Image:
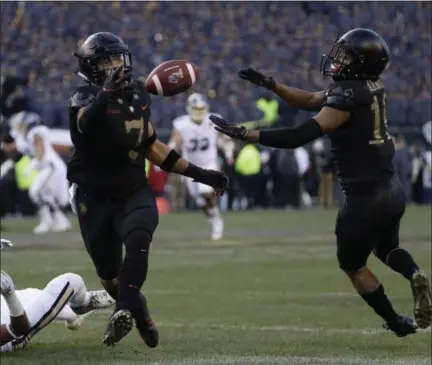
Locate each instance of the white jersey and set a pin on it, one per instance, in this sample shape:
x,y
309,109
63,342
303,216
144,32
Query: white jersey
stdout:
x,y
199,141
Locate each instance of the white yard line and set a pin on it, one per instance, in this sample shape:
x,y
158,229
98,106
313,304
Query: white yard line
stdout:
x,y
287,360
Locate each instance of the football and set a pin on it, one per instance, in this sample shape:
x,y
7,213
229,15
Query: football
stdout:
x,y
172,78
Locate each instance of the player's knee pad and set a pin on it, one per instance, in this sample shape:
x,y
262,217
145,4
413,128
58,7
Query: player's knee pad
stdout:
x,y
111,286
137,241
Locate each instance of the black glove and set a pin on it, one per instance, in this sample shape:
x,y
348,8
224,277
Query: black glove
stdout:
x,y
115,86
230,130
257,78
216,179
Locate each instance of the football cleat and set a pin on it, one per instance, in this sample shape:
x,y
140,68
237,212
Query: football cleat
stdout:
x,y
119,325
98,299
147,328
403,326
422,299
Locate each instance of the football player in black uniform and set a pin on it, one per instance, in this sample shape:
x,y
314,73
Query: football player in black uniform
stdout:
x,y
352,112
112,134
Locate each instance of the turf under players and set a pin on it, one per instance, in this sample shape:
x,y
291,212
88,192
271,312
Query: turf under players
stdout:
x,y
26,312
112,134
352,112
194,134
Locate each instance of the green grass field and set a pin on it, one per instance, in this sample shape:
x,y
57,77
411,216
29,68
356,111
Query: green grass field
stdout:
x,y
270,293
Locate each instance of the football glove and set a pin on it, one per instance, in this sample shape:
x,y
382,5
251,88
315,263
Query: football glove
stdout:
x,y
230,130
116,85
7,286
72,193
216,179
257,78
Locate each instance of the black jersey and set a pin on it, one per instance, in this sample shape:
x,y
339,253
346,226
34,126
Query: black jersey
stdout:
x,y
110,156
362,148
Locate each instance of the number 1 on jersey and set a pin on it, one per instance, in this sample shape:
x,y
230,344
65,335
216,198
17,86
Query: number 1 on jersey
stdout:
x,y
379,120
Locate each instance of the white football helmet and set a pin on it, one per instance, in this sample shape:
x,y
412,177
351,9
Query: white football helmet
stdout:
x,y
197,107
20,122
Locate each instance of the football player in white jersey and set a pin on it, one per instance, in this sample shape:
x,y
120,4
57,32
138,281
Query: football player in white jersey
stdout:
x,y
26,312
49,191
198,141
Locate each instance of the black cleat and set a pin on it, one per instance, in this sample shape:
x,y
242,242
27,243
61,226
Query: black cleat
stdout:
x,y
147,328
119,325
403,326
422,299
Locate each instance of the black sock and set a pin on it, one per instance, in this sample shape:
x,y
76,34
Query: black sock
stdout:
x,y
402,262
381,305
132,277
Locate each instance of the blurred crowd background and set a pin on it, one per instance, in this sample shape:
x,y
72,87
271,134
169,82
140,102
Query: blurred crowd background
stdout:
x,y
285,40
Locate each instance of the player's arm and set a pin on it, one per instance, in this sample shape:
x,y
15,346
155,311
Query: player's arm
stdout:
x,y
169,160
298,98
176,140
39,147
90,108
19,323
327,120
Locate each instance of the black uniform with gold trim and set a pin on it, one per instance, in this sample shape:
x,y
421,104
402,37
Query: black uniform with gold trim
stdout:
x,y
111,155
108,165
363,153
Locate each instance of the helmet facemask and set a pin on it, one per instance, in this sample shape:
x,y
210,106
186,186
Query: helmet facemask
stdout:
x,y
338,62
95,69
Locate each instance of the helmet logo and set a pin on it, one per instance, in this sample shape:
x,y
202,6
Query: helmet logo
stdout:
x,y
175,77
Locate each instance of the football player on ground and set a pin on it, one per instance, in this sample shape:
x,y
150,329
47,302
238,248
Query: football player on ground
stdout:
x,y
26,312
198,141
112,134
352,112
49,190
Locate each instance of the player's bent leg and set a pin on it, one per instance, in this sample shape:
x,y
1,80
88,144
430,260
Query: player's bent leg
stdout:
x,y
401,261
372,292
44,310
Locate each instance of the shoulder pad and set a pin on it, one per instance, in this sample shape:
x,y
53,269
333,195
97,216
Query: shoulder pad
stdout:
x,y
180,121
347,95
40,130
83,96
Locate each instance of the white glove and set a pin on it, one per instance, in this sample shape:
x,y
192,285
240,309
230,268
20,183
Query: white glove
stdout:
x,y
5,243
72,192
7,285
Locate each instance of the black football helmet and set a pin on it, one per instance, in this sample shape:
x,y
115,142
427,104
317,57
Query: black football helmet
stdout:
x,y
360,54
98,50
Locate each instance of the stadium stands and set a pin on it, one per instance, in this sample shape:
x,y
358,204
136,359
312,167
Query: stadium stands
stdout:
x,y
283,39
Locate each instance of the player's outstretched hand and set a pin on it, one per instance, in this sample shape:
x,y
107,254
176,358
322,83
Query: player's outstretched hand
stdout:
x,y
216,179
115,84
230,130
5,243
257,78
7,286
